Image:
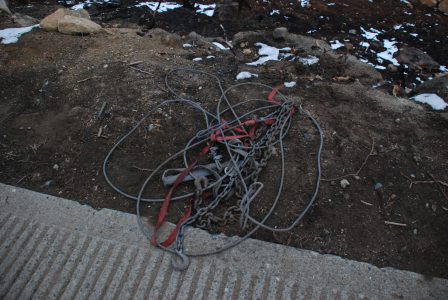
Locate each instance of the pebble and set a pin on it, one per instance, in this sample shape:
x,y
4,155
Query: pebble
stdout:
x,y
397,120
415,231
357,177
344,183
56,167
352,31
280,33
378,186
48,183
392,68
349,46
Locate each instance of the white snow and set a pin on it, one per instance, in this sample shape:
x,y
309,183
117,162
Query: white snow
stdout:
x,y
370,34
304,3
309,60
388,54
397,27
12,35
443,69
414,34
290,84
220,46
364,44
164,6
186,45
267,53
433,100
210,57
197,59
205,9
274,12
336,44
245,75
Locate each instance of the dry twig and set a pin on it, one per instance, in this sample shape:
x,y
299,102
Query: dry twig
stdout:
x,y
439,183
371,153
395,223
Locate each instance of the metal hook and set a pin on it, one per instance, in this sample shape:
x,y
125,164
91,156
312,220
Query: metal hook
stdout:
x,y
183,264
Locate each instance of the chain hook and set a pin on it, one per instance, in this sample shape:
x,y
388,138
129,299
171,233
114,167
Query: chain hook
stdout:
x,y
180,261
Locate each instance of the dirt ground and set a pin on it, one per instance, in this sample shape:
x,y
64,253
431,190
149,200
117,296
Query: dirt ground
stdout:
x,y
52,87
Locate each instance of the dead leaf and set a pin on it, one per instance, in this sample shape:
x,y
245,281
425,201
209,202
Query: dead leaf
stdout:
x,y
395,90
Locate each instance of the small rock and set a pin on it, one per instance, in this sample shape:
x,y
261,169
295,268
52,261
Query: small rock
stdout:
x,y
430,3
55,167
280,33
344,183
416,58
352,31
349,46
48,183
51,21
247,51
357,177
378,186
434,207
392,68
75,25
346,196
415,231
443,6
397,120
24,20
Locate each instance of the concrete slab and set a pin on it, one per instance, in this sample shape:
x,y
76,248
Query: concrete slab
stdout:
x,y
52,248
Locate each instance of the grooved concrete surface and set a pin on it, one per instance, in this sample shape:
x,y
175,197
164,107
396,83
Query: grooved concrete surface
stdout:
x,y
52,248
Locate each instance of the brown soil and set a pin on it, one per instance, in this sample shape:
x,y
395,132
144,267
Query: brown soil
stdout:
x,y
52,86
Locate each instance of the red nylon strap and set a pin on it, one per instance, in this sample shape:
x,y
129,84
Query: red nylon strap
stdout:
x,y
164,209
172,237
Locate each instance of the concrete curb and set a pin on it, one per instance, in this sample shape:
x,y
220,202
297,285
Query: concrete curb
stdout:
x,y
52,248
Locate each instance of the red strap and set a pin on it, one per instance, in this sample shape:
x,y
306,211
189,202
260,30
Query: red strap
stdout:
x,y
172,237
164,209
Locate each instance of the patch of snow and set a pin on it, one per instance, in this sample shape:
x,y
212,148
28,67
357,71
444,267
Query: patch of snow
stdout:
x,y
331,4
380,67
336,44
364,44
290,84
388,54
210,57
414,34
404,1
433,100
220,46
267,53
12,35
311,31
398,27
164,6
304,3
309,60
186,45
370,34
197,59
245,75
443,69
274,12
208,10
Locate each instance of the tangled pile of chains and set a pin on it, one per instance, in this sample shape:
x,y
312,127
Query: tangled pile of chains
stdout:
x,y
236,146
